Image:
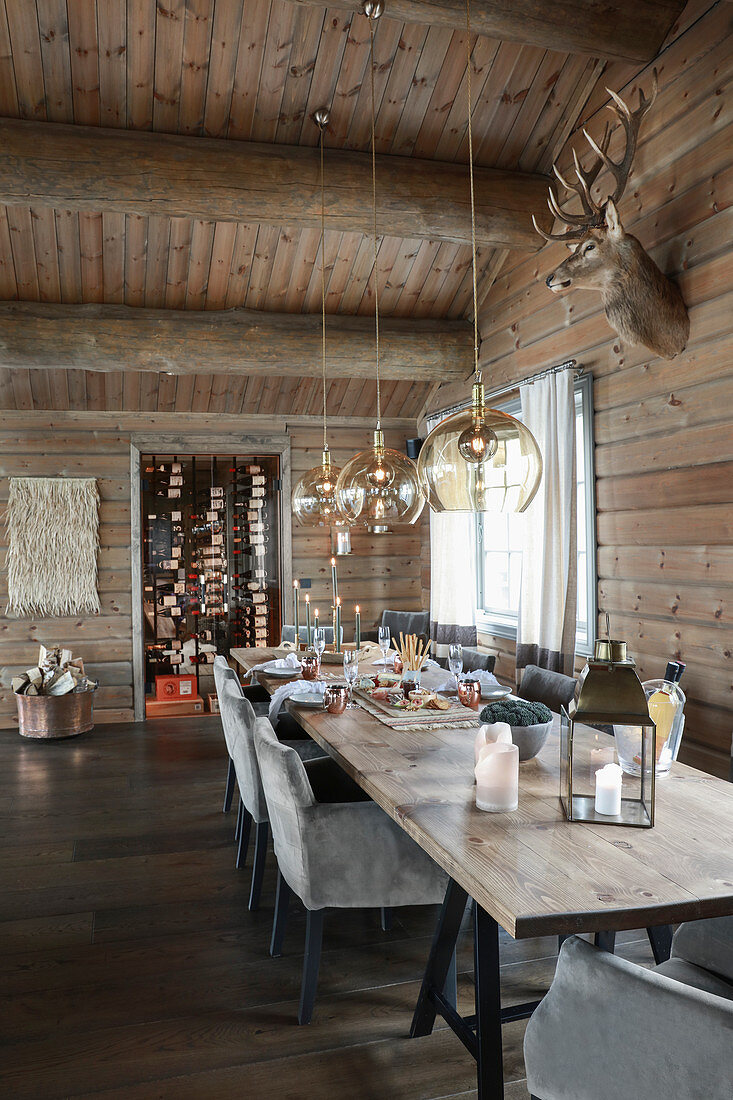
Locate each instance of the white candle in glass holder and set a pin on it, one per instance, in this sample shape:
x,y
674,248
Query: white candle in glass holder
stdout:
x,y
497,778
608,790
492,733
600,756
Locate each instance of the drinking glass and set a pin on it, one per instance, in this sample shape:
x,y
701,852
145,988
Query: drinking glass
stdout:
x,y
455,661
351,671
384,640
319,644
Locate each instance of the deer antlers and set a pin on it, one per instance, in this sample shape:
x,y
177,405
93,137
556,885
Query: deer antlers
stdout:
x,y
593,212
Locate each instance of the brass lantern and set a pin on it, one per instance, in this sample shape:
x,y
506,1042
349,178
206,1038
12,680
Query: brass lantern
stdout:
x,y
610,695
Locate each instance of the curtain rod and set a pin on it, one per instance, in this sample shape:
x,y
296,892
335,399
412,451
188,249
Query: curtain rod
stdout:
x,y
569,364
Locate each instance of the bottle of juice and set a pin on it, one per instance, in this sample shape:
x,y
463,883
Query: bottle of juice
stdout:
x,y
666,703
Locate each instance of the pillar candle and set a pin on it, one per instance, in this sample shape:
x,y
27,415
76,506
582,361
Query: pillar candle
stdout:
x,y
296,602
600,756
337,634
308,619
357,632
492,733
497,778
334,581
608,790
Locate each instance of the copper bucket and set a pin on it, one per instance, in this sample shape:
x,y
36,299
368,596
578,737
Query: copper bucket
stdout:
x,y
55,716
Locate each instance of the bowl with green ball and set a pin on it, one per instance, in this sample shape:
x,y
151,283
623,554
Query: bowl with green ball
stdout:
x,y
530,723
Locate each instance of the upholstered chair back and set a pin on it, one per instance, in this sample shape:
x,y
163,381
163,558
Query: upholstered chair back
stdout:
x,y
288,793
238,717
409,622
540,685
223,673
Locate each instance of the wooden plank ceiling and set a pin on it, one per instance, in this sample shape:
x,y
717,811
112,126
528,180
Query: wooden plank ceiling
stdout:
x,y
256,71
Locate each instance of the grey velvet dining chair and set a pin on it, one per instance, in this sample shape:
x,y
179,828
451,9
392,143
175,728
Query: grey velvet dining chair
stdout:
x,y
611,1030
541,685
335,849
238,720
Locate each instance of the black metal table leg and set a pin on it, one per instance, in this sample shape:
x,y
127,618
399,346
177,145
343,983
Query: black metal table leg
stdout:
x,y
661,940
489,1060
439,962
606,941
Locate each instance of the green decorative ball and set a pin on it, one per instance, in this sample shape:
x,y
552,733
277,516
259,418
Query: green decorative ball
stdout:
x,y
516,712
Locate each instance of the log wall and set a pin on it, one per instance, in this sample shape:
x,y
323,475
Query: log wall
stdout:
x,y
382,571
664,430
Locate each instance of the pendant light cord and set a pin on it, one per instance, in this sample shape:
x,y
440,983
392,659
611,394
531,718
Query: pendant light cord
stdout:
x,y
323,290
473,199
372,19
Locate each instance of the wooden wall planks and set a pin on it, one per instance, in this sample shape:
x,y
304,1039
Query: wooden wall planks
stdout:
x,y
664,446
383,571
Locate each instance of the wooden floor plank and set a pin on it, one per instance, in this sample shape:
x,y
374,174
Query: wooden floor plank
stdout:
x,y
135,970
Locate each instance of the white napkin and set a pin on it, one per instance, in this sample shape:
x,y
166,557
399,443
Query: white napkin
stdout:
x,y
487,680
291,661
389,661
294,687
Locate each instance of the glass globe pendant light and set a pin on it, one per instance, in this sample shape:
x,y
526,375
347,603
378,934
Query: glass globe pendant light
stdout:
x,y
480,459
379,487
314,496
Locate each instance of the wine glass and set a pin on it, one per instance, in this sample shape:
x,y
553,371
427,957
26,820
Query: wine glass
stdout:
x,y
319,644
351,671
455,661
384,640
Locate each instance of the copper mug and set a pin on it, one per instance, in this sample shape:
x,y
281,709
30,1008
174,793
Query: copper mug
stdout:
x,y
309,666
335,697
469,692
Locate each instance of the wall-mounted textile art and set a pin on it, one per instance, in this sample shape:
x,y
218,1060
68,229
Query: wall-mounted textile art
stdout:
x,y
53,539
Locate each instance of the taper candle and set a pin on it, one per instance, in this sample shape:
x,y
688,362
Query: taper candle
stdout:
x,y
296,601
308,618
337,635
316,623
334,581
357,632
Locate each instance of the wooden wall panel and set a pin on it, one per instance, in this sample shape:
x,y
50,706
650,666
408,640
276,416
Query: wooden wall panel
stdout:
x,y
383,570
664,438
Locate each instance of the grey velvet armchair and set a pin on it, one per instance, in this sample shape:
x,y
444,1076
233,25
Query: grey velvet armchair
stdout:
x,y
335,849
611,1030
238,721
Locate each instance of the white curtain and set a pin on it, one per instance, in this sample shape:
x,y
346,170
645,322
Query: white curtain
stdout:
x,y
548,595
452,580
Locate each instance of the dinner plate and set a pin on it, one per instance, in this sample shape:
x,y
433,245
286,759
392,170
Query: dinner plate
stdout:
x,y
281,673
309,700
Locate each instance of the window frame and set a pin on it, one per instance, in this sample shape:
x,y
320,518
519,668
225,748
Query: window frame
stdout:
x,y
504,625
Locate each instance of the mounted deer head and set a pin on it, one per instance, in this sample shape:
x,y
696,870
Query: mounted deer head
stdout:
x,y
641,303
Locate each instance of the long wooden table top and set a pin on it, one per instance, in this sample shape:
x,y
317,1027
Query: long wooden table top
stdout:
x,y
533,871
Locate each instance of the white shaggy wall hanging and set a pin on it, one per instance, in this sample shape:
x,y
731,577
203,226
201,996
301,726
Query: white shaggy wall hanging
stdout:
x,y
53,539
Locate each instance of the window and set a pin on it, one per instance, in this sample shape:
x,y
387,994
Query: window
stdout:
x,y
499,541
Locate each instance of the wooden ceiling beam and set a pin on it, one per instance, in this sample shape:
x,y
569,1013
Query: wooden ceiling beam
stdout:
x,y
628,30
122,338
138,172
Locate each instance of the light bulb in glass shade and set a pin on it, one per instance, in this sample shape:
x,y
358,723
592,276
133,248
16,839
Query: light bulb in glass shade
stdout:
x,y
314,496
504,480
381,474
478,442
370,498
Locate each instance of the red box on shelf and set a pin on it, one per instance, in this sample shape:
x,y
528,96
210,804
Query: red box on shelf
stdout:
x,y
168,688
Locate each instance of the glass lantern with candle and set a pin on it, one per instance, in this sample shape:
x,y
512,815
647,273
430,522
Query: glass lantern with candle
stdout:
x,y
610,696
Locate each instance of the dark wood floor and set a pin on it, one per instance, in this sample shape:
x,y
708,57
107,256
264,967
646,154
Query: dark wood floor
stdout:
x,y
132,968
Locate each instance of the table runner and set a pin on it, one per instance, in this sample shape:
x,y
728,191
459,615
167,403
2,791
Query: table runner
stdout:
x,y
457,717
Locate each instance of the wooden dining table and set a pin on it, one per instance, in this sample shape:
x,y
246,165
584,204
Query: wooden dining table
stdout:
x,y
530,871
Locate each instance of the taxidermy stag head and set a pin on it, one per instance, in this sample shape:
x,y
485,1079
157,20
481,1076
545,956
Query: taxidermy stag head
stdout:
x,y
641,303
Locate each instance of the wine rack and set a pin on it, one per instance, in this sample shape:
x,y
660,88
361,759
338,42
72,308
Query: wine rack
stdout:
x,y
211,560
